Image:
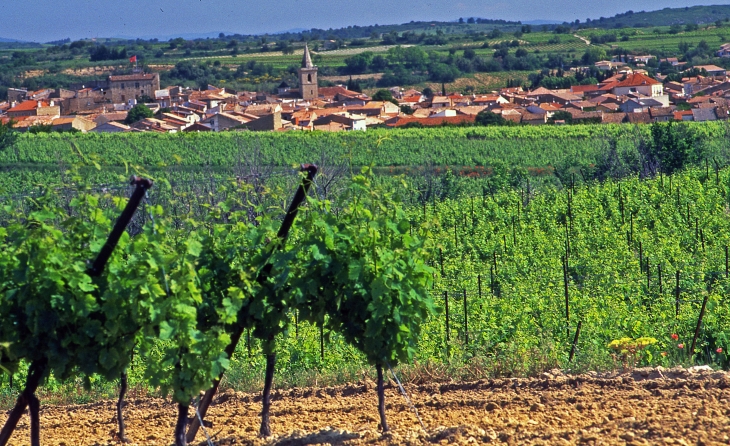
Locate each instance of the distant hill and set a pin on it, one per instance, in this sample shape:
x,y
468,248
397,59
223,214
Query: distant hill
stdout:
x,y
4,40
668,16
166,37
541,22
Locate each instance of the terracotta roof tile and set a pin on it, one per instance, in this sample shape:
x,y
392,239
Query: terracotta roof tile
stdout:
x,y
132,77
461,119
27,106
637,79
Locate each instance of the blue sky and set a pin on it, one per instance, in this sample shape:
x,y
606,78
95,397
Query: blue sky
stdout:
x,y
45,20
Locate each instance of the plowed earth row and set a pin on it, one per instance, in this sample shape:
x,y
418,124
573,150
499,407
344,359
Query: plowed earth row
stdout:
x,y
648,406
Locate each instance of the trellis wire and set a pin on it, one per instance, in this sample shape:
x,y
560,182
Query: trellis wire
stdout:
x,y
202,425
405,395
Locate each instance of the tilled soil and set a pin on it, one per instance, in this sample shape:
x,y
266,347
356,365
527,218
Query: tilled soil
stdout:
x,y
648,406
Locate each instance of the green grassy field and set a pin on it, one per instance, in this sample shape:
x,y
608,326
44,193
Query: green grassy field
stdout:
x,y
646,40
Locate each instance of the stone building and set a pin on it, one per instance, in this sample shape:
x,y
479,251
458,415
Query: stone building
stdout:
x,y
132,86
308,77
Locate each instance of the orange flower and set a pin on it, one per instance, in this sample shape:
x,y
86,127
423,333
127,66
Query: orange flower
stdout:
x,y
719,350
680,345
675,336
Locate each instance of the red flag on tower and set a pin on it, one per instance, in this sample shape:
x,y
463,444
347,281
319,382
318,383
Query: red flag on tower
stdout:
x,y
133,59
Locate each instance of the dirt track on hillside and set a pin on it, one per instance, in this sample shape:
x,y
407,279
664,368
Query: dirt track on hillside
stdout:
x,y
678,406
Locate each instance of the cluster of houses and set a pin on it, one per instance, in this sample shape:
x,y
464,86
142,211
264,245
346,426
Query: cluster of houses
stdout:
x,y
628,96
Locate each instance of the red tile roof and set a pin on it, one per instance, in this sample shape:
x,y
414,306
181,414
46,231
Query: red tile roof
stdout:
x,y
583,88
411,99
487,98
334,91
461,119
636,80
132,77
27,106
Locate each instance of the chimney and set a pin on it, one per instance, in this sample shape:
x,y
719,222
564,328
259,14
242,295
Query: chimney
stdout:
x,y
40,104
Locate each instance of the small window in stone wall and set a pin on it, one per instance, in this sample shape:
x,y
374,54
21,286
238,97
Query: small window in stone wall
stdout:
x,y
136,85
122,86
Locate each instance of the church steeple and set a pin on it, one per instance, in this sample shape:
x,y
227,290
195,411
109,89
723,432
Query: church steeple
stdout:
x,y
308,77
307,59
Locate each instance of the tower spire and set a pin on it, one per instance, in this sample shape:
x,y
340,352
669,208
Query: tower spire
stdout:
x,y
307,59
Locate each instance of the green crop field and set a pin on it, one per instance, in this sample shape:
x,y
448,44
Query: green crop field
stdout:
x,y
646,40
517,270
477,251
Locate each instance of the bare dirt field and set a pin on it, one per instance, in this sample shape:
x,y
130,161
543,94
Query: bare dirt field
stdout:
x,y
646,407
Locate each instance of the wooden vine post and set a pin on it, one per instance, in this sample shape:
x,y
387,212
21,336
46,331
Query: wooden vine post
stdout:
x,y
567,296
38,371
282,234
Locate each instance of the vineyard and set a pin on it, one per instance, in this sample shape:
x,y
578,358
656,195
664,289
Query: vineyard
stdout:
x,y
521,146
214,276
534,278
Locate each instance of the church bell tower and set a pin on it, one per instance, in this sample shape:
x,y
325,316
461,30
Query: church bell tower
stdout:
x,y
308,77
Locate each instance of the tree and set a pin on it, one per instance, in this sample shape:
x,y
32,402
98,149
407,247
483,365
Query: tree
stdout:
x,y
383,95
138,113
414,57
358,63
561,115
440,72
487,117
593,55
354,86
379,63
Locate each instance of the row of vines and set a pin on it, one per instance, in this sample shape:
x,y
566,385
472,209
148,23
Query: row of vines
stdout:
x,y
513,279
521,271
181,296
525,146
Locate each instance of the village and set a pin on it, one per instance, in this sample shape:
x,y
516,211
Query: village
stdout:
x,y
629,95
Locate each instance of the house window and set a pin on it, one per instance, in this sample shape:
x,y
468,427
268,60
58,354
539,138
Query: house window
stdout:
x,y
136,85
122,86
123,98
